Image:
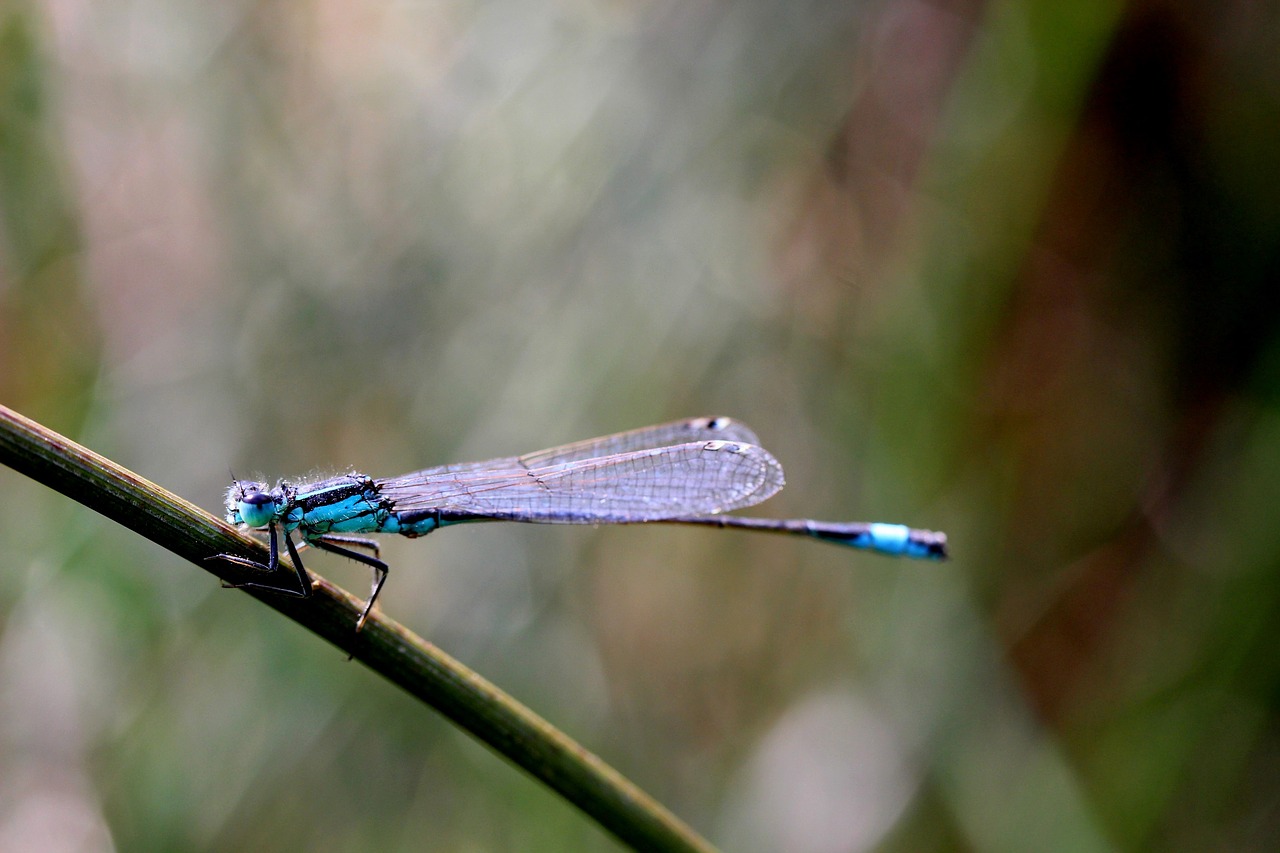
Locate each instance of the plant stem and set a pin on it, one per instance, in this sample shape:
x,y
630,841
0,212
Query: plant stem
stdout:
x,y
418,667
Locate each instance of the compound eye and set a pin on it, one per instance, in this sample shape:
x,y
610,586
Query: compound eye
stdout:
x,y
257,509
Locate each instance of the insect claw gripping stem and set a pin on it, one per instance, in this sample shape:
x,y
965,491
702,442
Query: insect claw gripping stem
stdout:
x,y
304,588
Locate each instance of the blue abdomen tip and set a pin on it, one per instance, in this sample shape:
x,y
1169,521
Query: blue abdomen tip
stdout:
x,y
890,538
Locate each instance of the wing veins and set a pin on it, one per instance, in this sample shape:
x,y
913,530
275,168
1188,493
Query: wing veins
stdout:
x,y
663,482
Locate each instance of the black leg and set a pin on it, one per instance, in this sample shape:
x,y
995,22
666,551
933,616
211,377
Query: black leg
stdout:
x,y
378,566
353,541
272,566
273,560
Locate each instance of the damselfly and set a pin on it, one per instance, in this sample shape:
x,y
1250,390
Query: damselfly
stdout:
x,y
685,472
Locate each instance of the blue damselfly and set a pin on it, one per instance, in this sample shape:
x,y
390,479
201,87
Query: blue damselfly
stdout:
x,y
685,472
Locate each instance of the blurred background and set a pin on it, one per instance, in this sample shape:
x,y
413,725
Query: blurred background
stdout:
x,y
1001,269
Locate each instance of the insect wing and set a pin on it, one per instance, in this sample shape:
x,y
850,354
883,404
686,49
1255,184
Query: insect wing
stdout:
x,y
695,478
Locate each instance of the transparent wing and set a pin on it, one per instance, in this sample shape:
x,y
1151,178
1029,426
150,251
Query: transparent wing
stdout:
x,y
662,435
695,478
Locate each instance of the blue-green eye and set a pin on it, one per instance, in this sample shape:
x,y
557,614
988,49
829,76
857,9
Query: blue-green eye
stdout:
x,y
256,508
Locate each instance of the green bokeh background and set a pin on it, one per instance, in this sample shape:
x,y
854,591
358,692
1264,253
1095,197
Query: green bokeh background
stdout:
x,y
1002,269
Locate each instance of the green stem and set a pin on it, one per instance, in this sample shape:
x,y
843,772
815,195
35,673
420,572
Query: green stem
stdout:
x,y
388,648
